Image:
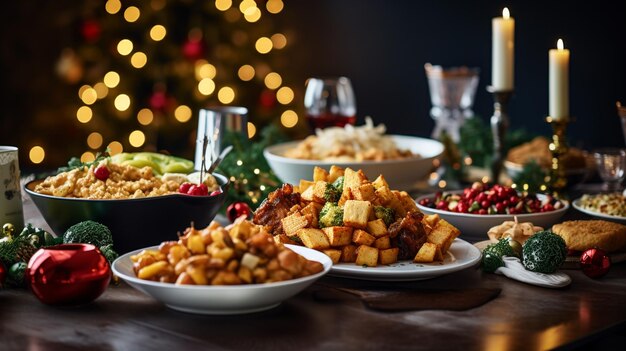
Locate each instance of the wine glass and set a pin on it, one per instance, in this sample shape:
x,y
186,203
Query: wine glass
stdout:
x,y
611,167
329,102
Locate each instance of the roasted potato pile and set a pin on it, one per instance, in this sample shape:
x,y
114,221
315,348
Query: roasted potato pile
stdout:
x,y
352,219
242,253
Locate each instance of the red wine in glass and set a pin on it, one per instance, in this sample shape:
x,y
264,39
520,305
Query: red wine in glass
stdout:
x,y
329,120
329,102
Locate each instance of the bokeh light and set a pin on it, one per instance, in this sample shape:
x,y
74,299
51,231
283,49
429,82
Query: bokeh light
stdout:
x,y
206,86
279,40
252,14
89,96
37,154
246,73
122,102
284,95
251,130
113,6
182,113
94,140
263,45
101,90
137,138
273,80
87,156
145,116
131,14
111,79
115,147
205,70
84,114
274,6
246,4
223,5
289,118
125,47
226,95
139,59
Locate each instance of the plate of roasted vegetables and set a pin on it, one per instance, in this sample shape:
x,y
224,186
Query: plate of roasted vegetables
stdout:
x,y
368,230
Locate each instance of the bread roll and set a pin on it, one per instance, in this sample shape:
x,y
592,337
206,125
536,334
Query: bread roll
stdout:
x,y
583,235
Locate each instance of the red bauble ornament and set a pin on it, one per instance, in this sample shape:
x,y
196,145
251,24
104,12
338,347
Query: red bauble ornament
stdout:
x,y
68,274
193,49
158,101
267,99
91,30
595,263
238,209
3,274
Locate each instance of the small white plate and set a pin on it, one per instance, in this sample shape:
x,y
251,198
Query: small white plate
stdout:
x,y
221,299
461,255
579,207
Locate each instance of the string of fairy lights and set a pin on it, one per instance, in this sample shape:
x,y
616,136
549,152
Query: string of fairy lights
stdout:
x,y
204,72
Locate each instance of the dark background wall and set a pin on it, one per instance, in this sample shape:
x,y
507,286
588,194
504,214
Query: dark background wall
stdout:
x,y
381,45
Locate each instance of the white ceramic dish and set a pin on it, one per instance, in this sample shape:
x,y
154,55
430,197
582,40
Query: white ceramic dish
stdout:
x,y
236,299
474,227
401,174
579,207
461,255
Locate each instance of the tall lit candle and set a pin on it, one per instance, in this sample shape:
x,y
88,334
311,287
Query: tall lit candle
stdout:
x,y
559,81
502,49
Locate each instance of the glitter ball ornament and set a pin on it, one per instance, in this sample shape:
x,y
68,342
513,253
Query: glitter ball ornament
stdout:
x,y
238,209
595,263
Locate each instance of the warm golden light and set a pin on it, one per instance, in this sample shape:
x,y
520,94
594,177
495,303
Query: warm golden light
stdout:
x,y
289,118
81,90
223,5
559,44
505,13
182,113
125,47
111,79
274,6
245,5
145,116
115,147
232,15
84,114
284,95
205,70
279,40
113,6
252,14
206,86
122,102
132,14
87,156
139,59
263,45
246,73
157,5
251,130
37,154
273,80
89,96
101,90
137,138
442,183
94,140
226,95
158,32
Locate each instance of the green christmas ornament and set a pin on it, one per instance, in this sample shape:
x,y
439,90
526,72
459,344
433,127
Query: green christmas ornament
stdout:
x,y
491,262
16,274
544,252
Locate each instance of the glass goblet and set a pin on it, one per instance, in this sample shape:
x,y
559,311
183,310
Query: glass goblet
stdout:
x,y
329,102
611,167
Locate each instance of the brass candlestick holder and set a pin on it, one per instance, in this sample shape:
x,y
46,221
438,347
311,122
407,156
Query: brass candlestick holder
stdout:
x,y
499,127
558,147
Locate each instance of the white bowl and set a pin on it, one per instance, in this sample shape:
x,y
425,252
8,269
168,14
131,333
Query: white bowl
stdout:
x,y
474,227
401,174
221,299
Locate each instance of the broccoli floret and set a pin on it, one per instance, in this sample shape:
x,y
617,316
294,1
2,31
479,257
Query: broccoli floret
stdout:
x,y
492,255
109,253
331,215
331,194
88,232
388,215
338,184
544,252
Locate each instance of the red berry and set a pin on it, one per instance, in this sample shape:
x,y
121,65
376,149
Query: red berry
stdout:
x,y
204,188
485,204
500,207
505,203
196,190
547,208
442,205
482,211
184,188
101,172
215,192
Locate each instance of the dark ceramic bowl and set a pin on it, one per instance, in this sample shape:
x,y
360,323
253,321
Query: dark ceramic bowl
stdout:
x,y
134,223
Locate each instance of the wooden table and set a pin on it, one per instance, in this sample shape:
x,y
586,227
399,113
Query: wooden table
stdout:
x,y
588,312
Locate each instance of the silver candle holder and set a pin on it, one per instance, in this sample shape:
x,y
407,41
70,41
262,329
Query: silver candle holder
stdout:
x,y
499,127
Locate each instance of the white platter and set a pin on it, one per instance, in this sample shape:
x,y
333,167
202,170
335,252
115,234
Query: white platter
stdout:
x,y
402,174
578,206
234,299
461,255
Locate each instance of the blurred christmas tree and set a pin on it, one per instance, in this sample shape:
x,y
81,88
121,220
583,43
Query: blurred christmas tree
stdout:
x,y
143,69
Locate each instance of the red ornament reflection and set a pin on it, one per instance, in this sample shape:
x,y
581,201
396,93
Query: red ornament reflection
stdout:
x,y
69,274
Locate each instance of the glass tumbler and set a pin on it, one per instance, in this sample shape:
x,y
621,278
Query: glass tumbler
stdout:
x,y
611,167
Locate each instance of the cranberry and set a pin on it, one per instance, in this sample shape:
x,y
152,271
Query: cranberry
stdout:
x,y
481,197
102,173
442,205
215,192
485,204
196,190
500,207
204,188
513,199
482,211
462,207
184,188
547,208
493,197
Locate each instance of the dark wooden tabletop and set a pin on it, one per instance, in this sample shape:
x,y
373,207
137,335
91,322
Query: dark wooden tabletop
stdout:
x,y
588,313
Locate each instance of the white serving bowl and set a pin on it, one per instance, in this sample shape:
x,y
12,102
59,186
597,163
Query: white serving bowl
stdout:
x,y
221,299
474,227
401,174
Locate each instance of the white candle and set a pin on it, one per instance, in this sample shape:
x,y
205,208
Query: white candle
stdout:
x,y
503,35
559,81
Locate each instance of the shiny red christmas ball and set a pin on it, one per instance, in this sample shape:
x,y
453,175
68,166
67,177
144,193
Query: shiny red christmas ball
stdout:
x,y
267,99
91,30
3,274
595,263
68,274
193,49
158,101
238,209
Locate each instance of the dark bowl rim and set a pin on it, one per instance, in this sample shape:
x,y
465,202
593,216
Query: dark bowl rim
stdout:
x,y
223,181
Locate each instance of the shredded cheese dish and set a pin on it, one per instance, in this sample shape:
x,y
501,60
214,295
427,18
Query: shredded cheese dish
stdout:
x,y
611,204
350,143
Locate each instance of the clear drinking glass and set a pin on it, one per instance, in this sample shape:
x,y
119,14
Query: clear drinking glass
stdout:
x,y
329,102
611,167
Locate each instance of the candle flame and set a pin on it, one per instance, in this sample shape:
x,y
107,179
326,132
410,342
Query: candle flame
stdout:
x,y
505,13
559,44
